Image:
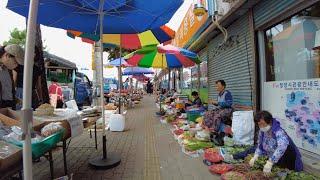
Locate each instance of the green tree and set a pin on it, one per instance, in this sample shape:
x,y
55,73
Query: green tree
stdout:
x,y
17,37
114,53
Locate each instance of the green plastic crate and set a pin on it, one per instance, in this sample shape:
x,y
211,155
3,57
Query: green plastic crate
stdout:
x,y
192,116
40,148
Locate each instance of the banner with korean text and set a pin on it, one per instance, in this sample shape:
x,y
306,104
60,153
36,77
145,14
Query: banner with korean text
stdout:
x,y
297,105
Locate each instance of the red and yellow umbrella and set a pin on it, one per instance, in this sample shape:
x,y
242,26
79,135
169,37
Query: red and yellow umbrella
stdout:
x,y
163,34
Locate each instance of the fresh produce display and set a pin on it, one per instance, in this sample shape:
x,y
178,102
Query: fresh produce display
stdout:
x,y
192,138
193,145
199,119
259,163
232,175
203,135
178,132
292,175
257,175
170,118
212,150
212,155
233,161
234,149
186,135
241,168
162,112
228,142
220,168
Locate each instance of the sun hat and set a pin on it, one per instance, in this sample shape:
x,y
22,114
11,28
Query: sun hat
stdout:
x,y
16,51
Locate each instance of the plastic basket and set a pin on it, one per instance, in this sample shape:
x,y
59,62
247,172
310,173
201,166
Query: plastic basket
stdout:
x,y
193,115
40,148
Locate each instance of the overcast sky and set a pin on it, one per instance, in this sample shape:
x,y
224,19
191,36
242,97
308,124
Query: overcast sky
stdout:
x,y
60,44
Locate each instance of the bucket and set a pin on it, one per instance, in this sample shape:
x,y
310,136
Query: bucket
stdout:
x,y
117,122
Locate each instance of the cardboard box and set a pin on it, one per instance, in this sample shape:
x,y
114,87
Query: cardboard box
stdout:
x,y
10,155
11,113
9,118
13,118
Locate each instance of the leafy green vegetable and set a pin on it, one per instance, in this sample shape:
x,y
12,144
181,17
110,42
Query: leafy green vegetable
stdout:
x,y
292,175
193,145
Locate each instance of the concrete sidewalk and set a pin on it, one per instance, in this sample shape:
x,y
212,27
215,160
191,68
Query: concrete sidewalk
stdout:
x,y
147,148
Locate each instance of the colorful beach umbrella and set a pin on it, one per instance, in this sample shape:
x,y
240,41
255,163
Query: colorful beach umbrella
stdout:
x,y
160,56
137,71
162,34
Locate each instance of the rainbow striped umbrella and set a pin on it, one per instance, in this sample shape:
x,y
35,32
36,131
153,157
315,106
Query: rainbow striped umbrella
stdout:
x,y
154,36
161,56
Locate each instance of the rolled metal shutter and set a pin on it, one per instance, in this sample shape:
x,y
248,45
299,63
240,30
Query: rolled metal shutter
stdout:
x,y
267,10
233,63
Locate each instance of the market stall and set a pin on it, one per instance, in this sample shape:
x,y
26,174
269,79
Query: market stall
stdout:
x,y
44,139
68,119
195,141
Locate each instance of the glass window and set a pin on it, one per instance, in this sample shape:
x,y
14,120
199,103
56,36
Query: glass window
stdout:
x,y
293,47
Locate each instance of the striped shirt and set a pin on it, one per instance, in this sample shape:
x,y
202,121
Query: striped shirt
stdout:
x,y
6,84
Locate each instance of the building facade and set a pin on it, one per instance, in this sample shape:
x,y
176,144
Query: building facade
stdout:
x,y
270,60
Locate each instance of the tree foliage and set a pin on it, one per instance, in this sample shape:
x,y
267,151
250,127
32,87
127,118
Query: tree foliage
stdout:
x,y
114,52
17,37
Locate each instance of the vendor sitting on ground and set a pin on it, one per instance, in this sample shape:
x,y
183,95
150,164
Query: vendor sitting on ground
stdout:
x,y
274,142
196,100
214,120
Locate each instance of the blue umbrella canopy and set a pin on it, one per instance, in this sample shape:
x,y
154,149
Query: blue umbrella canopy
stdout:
x,y
120,16
137,71
118,62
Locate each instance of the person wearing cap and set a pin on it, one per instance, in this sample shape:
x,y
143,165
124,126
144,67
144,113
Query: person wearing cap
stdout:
x,y
18,81
9,55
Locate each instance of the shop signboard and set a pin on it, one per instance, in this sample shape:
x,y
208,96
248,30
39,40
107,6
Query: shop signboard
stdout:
x,y
189,26
296,104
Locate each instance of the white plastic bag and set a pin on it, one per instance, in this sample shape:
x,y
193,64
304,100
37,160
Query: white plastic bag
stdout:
x,y
243,127
51,128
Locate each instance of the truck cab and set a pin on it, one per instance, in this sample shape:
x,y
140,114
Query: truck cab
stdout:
x,y
83,89
75,85
109,84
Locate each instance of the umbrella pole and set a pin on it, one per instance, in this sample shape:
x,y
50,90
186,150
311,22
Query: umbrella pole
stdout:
x,y
160,87
113,160
120,79
27,81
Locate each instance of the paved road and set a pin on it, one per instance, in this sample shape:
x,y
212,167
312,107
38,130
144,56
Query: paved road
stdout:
x,y
147,149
